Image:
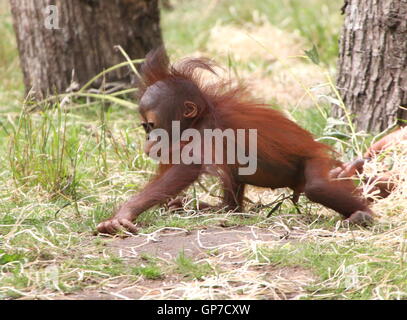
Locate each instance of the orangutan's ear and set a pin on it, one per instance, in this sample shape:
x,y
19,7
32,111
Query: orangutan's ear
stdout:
x,y
191,109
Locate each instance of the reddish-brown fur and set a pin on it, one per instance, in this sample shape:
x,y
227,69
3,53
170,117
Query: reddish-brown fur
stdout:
x,y
288,156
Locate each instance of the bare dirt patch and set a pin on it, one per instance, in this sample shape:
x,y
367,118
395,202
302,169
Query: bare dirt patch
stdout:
x,y
239,273
168,242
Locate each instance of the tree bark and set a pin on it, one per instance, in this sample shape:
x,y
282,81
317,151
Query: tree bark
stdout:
x,y
79,42
372,65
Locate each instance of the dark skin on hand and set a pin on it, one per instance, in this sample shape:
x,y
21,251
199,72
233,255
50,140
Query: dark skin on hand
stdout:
x,y
383,184
287,155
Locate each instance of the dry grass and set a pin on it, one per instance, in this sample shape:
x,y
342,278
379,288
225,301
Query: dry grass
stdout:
x,y
394,207
273,62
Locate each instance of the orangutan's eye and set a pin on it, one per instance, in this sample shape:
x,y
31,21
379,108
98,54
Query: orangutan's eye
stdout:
x,y
148,126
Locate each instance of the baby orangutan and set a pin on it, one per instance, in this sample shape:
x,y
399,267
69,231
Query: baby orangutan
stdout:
x,y
286,155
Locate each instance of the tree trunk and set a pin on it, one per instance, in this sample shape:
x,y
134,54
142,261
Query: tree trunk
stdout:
x,y
372,65
63,41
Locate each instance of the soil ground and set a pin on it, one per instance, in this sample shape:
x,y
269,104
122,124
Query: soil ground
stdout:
x,y
230,245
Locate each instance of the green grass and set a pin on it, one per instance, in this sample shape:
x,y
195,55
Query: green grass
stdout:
x,y
348,270
11,84
151,272
191,269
